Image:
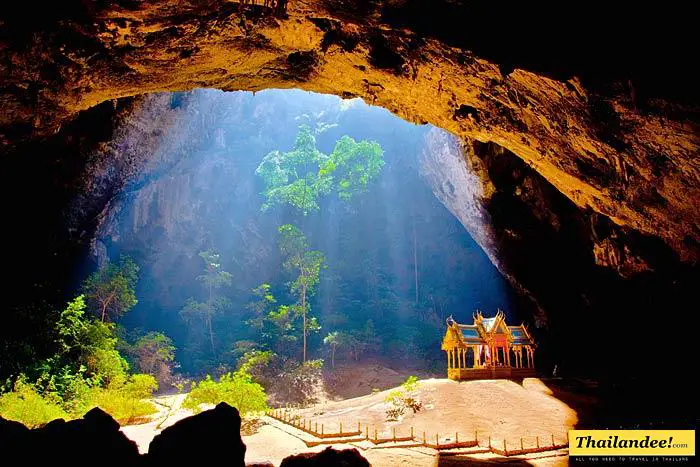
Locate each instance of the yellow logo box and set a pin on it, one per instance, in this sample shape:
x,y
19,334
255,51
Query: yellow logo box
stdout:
x,y
632,442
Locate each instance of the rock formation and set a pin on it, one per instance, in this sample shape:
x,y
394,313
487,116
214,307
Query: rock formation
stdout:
x,y
636,166
207,437
329,456
210,436
560,117
93,438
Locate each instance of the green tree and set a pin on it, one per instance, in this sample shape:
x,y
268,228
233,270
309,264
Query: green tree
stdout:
x,y
260,306
154,354
307,263
299,177
213,278
237,389
353,165
85,347
332,341
109,292
293,177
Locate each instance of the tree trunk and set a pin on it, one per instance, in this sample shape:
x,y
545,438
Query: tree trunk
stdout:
x,y
209,315
303,312
211,334
105,304
333,356
415,258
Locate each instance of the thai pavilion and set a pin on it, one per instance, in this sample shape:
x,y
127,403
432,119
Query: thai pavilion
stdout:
x,y
488,349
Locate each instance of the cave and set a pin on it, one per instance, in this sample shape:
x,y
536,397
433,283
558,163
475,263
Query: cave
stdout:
x,y
563,145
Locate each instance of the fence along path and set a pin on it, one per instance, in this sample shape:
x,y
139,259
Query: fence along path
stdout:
x,y
360,432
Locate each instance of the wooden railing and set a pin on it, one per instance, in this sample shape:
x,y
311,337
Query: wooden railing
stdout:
x,y
362,432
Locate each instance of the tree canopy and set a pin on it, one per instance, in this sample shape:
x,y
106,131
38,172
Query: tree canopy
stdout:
x,y
299,177
109,292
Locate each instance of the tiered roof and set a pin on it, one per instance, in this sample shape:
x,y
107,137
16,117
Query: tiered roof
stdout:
x,y
482,329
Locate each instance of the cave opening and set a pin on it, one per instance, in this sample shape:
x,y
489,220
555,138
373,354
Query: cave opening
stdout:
x,y
566,193
397,263
164,177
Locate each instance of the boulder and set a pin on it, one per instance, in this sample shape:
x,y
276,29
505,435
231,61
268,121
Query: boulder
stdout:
x,y
83,441
327,457
208,437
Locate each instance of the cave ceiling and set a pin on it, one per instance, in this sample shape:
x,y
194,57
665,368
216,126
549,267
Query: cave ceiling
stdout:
x,y
611,128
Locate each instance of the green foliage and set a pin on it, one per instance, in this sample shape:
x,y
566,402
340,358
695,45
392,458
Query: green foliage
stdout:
x,y
411,384
300,382
87,371
332,341
26,405
109,292
237,389
203,313
261,306
292,177
214,276
307,263
402,399
353,165
253,361
86,348
123,399
299,177
154,354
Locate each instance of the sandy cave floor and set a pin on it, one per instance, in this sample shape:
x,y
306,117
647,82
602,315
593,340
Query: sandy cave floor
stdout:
x,y
500,408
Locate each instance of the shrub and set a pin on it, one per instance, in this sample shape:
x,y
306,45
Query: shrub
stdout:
x,y
411,384
236,389
123,399
24,404
402,399
299,383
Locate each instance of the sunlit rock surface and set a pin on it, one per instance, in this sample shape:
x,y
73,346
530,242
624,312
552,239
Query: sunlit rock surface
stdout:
x,y
634,164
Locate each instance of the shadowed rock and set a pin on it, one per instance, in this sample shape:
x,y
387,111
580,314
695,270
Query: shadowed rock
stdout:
x,y
210,436
327,457
13,438
77,442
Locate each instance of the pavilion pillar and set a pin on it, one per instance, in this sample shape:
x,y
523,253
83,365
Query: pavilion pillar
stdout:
x,y
507,354
459,358
449,359
532,358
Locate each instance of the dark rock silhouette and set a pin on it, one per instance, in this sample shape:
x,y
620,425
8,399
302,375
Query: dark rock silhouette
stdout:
x,y
14,437
78,442
327,457
202,438
95,436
